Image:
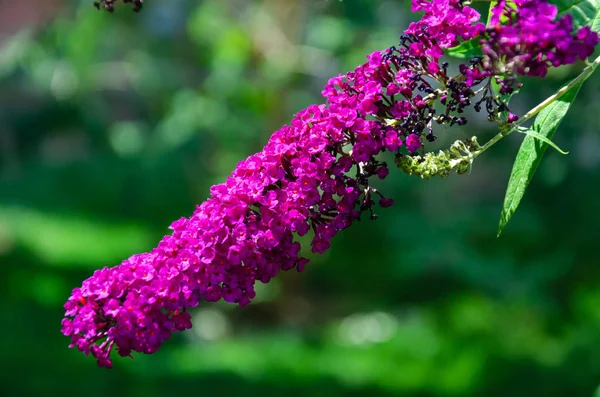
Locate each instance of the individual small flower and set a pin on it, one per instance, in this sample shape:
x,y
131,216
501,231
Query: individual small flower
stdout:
x,y
386,202
413,143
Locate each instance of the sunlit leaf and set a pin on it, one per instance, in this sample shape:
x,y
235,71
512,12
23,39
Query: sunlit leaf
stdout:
x,y
531,152
537,135
468,49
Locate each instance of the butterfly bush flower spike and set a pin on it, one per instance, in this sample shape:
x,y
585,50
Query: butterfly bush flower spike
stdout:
x,y
315,174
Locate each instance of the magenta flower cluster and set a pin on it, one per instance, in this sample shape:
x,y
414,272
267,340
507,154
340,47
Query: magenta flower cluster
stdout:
x,y
245,231
526,37
313,176
446,21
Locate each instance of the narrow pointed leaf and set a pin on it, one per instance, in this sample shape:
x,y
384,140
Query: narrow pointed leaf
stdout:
x,y
537,135
531,152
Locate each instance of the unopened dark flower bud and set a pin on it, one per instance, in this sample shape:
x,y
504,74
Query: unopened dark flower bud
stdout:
x,y
109,5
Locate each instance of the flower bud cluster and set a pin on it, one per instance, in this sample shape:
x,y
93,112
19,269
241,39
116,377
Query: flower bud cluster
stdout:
x,y
458,157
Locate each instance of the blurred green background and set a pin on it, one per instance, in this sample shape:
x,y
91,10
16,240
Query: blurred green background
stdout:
x,y
112,126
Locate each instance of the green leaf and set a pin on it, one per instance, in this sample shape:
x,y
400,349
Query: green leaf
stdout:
x,y
531,152
584,12
537,135
466,50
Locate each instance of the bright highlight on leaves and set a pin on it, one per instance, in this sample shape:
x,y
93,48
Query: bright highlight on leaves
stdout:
x,y
466,50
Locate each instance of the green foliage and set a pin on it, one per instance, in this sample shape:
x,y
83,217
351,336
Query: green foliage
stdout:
x,y
466,50
531,152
